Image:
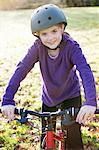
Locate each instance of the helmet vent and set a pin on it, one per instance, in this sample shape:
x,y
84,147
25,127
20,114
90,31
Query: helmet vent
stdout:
x,y
39,21
37,11
49,18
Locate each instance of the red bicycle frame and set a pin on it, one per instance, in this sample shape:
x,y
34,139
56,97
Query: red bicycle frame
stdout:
x,y
51,137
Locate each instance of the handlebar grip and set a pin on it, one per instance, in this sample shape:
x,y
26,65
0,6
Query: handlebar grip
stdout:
x,y
97,111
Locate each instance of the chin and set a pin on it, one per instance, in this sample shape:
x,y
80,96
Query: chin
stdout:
x,y
52,47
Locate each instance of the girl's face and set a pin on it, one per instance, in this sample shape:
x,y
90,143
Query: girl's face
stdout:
x,y
51,37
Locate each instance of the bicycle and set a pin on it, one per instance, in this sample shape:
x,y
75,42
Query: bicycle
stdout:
x,y
52,139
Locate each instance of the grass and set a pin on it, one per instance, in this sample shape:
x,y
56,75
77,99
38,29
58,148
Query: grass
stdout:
x,y
82,19
15,39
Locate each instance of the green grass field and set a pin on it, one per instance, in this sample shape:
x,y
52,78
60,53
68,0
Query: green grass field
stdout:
x,y
15,39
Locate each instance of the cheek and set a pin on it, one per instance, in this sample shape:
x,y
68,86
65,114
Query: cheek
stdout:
x,y
59,36
42,39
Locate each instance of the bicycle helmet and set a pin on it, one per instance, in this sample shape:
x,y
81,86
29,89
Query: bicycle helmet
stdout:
x,y
46,16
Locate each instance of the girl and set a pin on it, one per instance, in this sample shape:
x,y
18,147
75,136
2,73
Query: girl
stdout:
x,y
59,56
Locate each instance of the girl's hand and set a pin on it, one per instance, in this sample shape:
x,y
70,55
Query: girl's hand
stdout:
x,y
84,113
8,110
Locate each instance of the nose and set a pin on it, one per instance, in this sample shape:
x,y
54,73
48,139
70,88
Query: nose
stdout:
x,y
50,38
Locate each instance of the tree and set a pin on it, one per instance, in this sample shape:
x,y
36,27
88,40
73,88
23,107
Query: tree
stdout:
x,y
80,3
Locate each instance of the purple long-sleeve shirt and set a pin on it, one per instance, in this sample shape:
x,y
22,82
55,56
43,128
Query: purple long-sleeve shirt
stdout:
x,y
59,74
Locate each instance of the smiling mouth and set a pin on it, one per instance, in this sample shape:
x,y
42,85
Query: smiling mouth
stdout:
x,y
52,43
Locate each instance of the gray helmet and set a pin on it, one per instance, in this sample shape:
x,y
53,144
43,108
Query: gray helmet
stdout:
x,y
47,16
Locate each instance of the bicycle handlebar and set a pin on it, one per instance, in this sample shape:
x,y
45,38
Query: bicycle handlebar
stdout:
x,y
67,112
20,111
46,114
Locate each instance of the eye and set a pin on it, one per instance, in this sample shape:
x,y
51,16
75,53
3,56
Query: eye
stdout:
x,y
43,34
54,31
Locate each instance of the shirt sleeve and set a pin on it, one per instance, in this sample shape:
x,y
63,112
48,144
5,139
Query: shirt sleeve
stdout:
x,y
20,73
86,74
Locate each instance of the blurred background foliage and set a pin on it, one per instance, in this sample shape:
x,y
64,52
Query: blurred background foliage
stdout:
x,y
26,4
